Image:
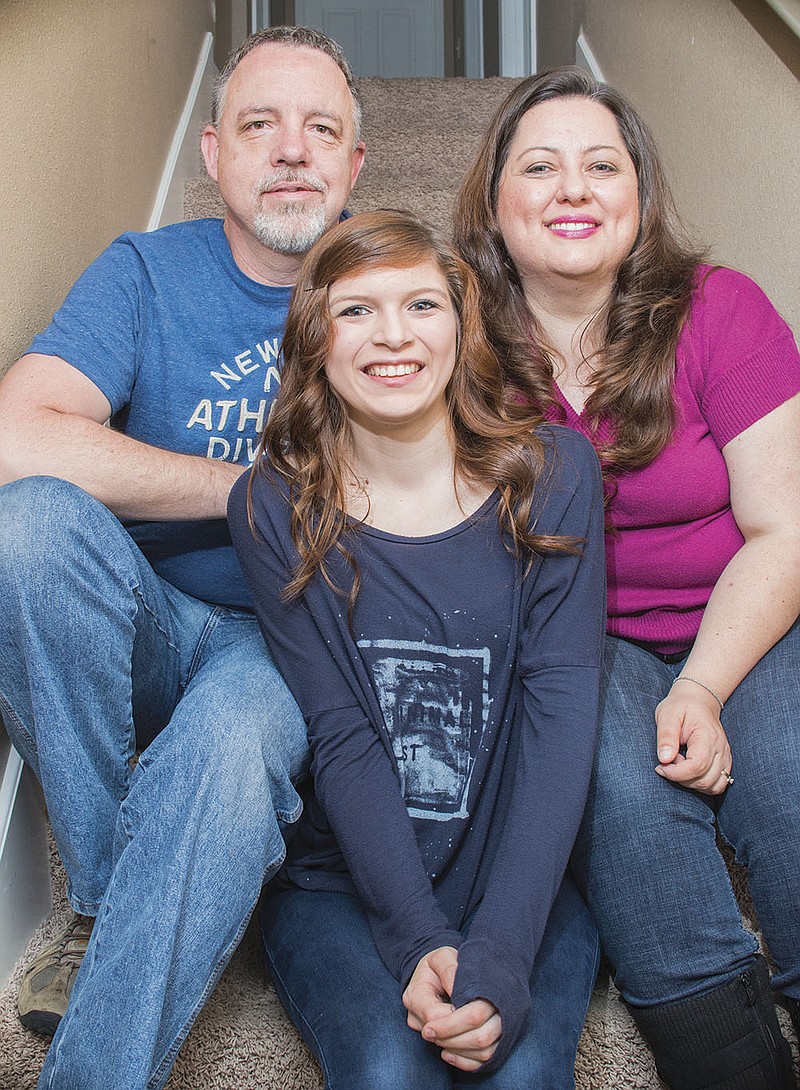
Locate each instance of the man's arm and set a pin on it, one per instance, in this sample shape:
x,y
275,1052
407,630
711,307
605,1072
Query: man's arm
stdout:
x,y
52,421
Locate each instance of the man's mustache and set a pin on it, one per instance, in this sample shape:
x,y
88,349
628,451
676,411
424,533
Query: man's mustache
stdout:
x,y
290,177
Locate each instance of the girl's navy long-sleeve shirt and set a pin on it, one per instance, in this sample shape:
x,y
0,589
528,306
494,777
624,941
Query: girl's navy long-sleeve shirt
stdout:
x,y
452,728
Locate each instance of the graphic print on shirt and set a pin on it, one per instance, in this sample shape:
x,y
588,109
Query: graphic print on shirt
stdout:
x,y
235,423
435,703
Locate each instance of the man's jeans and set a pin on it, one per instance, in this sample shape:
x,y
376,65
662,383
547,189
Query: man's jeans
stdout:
x,y
647,855
348,1006
100,657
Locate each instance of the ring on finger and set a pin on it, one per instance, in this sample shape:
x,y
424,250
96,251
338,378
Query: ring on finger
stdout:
x,y
727,776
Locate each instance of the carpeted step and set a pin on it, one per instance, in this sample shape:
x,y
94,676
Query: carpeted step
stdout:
x,y
201,198
423,105
433,206
396,158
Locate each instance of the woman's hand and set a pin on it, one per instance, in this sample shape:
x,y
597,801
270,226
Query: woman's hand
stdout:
x,y
754,603
467,1036
693,750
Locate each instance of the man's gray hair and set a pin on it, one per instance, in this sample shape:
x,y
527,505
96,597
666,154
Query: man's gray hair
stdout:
x,y
299,37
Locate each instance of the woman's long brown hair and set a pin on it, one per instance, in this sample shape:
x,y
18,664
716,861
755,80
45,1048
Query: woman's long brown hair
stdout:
x,y
307,436
640,325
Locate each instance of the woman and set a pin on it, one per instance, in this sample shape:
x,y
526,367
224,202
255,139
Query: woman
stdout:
x,y
429,574
686,381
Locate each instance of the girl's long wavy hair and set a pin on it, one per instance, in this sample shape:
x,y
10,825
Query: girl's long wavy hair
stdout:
x,y
635,364
307,437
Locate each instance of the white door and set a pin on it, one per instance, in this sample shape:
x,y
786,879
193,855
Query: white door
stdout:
x,y
389,38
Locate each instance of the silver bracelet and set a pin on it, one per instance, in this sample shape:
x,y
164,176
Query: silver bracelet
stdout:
x,y
702,685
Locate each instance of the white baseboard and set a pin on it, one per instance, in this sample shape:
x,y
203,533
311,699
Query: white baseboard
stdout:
x,y
789,11
183,158
25,897
585,58
9,785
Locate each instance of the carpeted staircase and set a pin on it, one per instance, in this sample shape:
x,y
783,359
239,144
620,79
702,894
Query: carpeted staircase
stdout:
x,y
421,135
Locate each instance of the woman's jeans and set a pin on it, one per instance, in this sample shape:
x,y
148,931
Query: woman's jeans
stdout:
x,y
100,657
349,1009
647,857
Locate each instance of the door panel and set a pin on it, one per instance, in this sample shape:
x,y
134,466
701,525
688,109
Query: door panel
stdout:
x,y
389,38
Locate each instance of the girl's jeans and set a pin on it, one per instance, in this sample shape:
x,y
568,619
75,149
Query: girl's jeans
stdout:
x,y
348,1007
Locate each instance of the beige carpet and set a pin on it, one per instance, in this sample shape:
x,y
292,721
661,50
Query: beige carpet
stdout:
x,y
244,1041
421,135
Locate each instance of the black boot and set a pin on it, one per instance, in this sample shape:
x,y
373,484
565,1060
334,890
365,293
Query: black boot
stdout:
x,y
793,1006
725,1039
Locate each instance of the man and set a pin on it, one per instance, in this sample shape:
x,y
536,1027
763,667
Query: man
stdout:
x,y
140,638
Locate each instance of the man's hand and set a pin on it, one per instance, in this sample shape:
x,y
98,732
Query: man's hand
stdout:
x,y
468,1036
693,750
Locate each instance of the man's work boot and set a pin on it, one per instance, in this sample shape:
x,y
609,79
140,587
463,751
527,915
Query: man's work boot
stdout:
x,y
46,986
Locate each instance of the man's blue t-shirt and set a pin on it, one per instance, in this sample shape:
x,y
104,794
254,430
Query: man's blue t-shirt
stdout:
x,y
185,348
